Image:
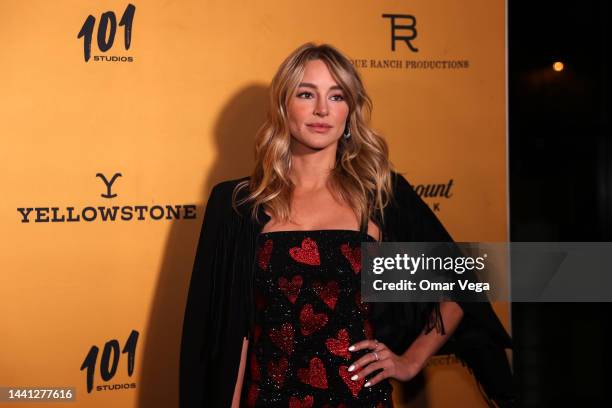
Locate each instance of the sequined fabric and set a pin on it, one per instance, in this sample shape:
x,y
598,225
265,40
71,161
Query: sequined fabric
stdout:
x,y
308,312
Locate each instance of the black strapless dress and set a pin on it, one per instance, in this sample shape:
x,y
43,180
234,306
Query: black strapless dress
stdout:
x,y
308,312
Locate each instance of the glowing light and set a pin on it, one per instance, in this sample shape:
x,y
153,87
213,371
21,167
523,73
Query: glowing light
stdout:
x,y
558,66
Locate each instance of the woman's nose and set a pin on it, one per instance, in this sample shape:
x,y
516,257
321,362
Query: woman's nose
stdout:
x,y
321,107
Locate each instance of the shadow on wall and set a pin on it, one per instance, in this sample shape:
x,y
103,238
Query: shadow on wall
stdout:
x,y
234,134
410,393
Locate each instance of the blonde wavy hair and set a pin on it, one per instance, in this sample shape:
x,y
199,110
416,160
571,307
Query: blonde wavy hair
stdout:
x,y
362,174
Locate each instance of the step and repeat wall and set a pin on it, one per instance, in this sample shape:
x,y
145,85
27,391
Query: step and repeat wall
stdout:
x,y
118,117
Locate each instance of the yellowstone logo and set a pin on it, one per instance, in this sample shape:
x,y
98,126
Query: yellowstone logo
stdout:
x,y
105,35
107,213
109,363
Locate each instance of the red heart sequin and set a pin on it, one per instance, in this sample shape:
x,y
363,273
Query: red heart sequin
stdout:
x,y
264,253
315,374
308,253
277,371
283,337
306,402
353,255
290,289
354,386
339,345
328,293
255,373
311,322
252,395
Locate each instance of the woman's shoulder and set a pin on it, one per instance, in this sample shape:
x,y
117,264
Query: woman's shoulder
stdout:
x,y
402,189
222,194
226,187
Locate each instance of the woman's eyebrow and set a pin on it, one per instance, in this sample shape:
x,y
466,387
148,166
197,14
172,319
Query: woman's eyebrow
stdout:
x,y
313,86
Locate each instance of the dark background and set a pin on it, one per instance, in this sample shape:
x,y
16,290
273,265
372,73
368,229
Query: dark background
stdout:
x,y
560,189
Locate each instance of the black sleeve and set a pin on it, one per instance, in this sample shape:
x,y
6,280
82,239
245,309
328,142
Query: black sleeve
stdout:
x,y
193,371
423,224
426,227
480,338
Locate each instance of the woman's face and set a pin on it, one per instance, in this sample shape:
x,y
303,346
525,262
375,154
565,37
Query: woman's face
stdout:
x,y
317,110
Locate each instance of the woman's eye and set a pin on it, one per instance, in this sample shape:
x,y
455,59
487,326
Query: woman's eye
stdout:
x,y
337,98
304,95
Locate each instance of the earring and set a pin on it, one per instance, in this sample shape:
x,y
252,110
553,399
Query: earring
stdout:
x,y
347,133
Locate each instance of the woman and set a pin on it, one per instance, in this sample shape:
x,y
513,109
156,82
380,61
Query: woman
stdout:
x,y
274,316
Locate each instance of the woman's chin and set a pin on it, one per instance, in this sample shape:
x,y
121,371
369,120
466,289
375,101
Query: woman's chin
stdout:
x,y
313,144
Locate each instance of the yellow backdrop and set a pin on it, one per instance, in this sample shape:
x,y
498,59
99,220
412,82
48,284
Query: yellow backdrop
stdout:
x,y
162,104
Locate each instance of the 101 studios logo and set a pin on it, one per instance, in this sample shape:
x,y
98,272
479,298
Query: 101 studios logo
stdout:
x,y
109,361
105,34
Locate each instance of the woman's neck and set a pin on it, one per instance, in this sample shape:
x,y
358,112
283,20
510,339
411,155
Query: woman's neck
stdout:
x,y
311,172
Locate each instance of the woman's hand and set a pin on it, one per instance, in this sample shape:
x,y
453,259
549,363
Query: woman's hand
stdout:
x,y
408,365
381,357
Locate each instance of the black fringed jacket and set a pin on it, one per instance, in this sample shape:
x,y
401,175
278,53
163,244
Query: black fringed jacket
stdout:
x,y
219,310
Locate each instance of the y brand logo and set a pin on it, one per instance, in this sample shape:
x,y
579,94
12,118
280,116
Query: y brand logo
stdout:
x,y
109,184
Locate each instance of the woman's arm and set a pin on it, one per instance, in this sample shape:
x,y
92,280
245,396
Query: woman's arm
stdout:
x,y
426,345
241,368
406,366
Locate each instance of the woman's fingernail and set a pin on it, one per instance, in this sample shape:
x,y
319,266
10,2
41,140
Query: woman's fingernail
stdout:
x,y
351,348
351,368
354,377
367,384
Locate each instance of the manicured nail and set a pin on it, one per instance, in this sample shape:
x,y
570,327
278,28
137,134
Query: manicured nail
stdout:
x,y
351,368
367,384
351,348
354,377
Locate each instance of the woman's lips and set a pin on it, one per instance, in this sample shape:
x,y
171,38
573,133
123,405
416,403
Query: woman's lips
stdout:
x,y
319,128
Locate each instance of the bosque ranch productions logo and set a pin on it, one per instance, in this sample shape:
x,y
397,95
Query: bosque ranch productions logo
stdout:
x,y
401,39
